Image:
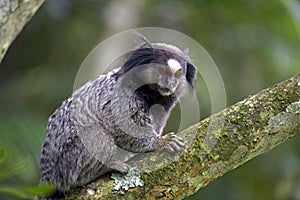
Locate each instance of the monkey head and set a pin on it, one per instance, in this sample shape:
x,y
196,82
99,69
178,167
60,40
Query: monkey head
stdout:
x,y
161,67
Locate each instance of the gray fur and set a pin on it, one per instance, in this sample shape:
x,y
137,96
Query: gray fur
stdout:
x,y
101,118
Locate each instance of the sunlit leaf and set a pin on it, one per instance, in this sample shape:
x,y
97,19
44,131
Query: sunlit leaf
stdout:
x,y
39,190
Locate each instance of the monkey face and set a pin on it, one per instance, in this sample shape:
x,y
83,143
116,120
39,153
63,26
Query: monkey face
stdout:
x,y
170,78
167,78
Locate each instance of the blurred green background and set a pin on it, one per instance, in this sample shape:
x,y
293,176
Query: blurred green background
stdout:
x,y
254,43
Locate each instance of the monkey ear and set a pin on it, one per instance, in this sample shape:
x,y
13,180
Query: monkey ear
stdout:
x,y
191,72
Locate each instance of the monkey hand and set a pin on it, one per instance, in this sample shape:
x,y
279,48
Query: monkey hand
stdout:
x,y
171,142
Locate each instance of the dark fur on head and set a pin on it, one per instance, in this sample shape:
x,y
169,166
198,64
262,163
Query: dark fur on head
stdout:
x,y
158,55
146,55
150,96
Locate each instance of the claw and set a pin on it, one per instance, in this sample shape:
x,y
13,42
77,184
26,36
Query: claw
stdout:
x,y
170,148
175,146
173,142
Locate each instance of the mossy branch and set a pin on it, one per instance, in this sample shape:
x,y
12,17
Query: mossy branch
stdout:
x,y
220,144
14,14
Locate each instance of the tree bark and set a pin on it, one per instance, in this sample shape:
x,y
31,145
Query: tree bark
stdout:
x,y
220,143
14,14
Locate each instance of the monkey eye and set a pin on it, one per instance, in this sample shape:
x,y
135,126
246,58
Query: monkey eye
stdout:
x,y
178,73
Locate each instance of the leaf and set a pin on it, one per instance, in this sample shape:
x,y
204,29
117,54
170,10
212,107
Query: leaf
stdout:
x,y
40,190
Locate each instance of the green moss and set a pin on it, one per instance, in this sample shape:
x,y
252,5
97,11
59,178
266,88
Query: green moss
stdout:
x,y
174,188
241,117
224,134
195,182
106,188
204,173
201,143
280,96
263,115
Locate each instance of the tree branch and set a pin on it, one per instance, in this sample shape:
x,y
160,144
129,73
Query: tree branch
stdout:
x,y
219,144
14,14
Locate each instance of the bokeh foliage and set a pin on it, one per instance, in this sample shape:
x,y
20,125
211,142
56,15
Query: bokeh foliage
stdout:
x,y
254,44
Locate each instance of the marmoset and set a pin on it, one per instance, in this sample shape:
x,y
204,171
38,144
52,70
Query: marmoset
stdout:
x,y
127,108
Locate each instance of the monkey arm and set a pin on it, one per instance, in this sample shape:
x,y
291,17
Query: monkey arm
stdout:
x,y
148,142
137,143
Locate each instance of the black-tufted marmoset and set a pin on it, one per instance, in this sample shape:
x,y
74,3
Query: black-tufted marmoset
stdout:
x,y
126,108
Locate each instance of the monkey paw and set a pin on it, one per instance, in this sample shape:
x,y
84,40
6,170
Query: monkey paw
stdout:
x,y
172,142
